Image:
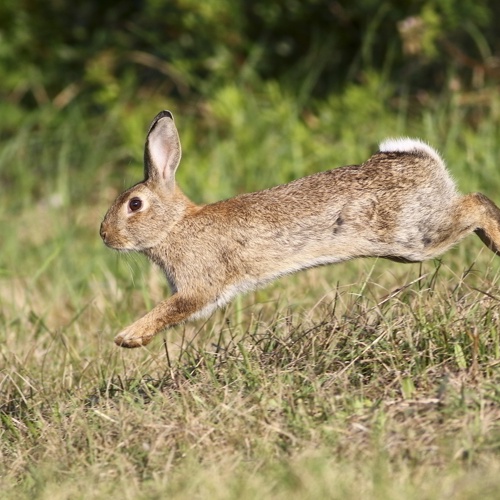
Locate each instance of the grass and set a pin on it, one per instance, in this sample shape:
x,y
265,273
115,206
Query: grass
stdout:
x,y
367,379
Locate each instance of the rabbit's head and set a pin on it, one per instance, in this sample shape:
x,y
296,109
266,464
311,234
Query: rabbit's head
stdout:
x,y
141,217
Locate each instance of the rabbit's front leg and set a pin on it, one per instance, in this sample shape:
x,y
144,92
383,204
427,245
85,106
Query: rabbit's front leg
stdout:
x,y
166,314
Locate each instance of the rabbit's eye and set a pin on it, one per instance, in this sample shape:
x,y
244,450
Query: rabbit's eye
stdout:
x,y
134,204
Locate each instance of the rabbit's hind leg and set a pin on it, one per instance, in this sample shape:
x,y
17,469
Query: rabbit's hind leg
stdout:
x,y
488,228
470,213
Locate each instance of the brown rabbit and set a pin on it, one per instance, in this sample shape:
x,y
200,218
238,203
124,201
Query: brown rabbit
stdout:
x,y
401,204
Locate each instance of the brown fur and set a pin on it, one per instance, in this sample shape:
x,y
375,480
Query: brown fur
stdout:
x,y
400,204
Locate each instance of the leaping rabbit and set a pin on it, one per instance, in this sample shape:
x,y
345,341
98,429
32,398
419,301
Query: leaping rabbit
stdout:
x,y
401,204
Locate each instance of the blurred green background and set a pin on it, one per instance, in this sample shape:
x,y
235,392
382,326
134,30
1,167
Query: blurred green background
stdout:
x,y
305,82
263,92
360,364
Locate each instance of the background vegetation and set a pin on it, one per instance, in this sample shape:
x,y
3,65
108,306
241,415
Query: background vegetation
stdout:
x,y
367,379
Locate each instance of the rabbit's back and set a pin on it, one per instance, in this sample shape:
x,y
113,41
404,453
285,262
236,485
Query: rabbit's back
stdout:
x,y
392,205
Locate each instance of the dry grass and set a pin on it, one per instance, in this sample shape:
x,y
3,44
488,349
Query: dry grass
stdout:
x,y
364,380
383,389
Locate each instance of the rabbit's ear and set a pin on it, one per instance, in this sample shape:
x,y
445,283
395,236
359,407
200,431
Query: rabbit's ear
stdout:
x,y
162,153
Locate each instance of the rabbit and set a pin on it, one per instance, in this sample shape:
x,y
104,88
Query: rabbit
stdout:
x,y
401,204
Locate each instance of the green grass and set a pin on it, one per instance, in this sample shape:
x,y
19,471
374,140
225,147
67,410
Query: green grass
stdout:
x,y
367,379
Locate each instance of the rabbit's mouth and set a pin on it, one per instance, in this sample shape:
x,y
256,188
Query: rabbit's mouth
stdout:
x,y
110,241
114,240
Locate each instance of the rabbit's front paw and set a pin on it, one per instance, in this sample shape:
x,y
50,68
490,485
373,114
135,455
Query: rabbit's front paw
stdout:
x,y
133,337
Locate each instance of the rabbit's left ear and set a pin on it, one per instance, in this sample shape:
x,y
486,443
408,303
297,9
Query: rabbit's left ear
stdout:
x,y
162,152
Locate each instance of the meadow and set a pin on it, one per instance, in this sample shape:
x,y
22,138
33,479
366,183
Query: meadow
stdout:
x,y
368,379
